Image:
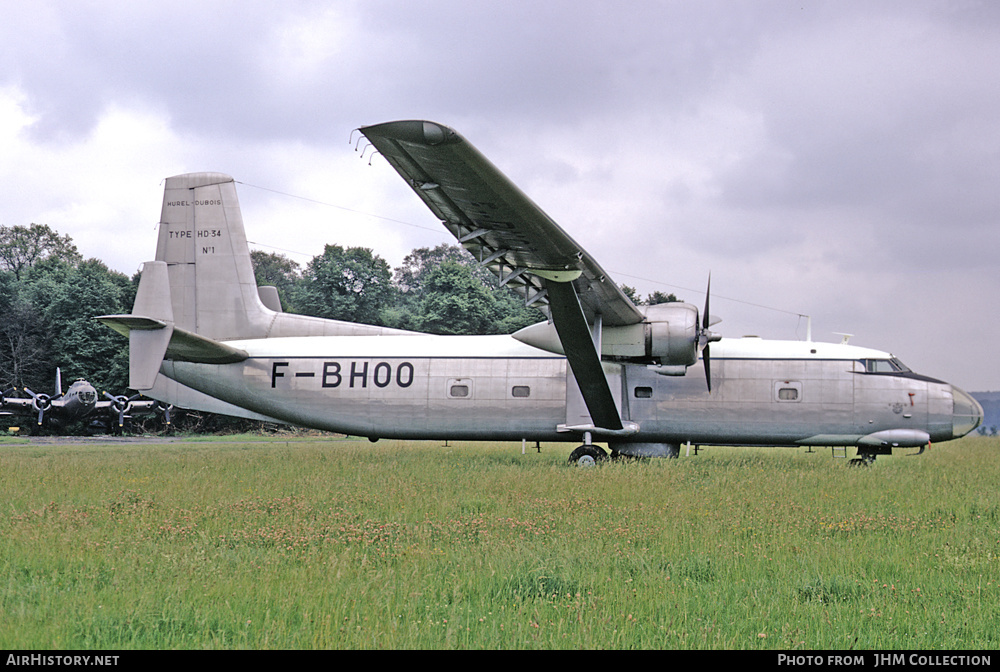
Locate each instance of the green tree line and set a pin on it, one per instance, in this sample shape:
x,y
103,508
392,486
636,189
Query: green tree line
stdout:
x,y
439,290
49,296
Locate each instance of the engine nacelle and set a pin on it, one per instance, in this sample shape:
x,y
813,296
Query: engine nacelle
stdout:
x,y
668,337
671,331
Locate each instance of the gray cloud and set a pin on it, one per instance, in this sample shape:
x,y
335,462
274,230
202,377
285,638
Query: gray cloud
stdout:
x,y
835,158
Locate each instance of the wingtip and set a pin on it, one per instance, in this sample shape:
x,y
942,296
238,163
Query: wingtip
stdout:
x,y
413,130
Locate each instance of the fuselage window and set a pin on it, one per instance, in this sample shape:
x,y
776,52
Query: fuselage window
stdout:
x,y
787,391
643,393
459,391
521,391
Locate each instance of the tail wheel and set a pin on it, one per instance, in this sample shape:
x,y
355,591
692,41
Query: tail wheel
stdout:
x,y
587,456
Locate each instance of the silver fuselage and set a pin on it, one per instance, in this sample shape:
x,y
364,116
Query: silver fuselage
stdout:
x,y
202,337
497,388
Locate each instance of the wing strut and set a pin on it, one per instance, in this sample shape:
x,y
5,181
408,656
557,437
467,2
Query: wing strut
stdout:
x,y
581,352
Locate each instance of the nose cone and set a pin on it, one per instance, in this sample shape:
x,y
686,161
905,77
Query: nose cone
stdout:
x,y
85,393
967,413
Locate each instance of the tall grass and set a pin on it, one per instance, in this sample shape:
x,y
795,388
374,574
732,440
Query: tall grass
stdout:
x,y
318,544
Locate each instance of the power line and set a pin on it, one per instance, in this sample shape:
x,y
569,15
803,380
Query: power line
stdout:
x,y
714,296
339,207
438,230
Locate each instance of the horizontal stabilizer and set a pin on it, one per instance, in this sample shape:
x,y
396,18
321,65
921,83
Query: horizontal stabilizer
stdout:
x,y
148,340
124,324
151,341
183,346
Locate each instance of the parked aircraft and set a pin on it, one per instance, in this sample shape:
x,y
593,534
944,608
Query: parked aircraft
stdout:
x,y
202,335
79,402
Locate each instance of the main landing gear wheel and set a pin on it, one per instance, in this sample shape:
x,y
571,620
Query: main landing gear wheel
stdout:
x,y
587,456
863,460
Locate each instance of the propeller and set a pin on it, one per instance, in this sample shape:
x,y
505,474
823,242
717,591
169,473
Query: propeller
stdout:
x,y
706,336
42,402
121,403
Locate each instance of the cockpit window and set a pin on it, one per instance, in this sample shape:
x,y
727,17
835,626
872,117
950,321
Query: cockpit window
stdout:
x,y
885,366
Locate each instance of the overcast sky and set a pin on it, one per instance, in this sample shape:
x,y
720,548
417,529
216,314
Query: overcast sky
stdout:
x,y
834,159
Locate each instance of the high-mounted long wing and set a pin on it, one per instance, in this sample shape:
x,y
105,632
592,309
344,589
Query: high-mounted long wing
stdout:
x,y
493,219
508,233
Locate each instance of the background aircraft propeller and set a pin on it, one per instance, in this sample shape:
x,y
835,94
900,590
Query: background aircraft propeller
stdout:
x,y
41,402
121,403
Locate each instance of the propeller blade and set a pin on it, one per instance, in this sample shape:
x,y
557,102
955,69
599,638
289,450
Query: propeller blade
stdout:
x,y
708,293
705,336
707,361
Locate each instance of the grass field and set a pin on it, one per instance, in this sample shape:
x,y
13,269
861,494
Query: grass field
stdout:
x,y
347,544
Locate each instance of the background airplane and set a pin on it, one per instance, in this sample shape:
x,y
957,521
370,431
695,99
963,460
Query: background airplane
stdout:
x,y
203,336
79,402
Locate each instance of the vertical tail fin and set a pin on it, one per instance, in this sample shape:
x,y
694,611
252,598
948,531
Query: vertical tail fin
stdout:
x,y
201,290
203,243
